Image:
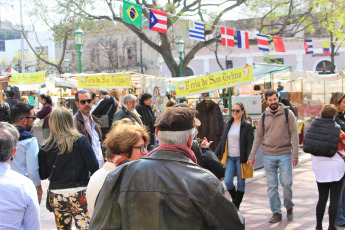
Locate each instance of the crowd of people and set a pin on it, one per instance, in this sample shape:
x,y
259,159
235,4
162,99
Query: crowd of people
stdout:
x,y
106,171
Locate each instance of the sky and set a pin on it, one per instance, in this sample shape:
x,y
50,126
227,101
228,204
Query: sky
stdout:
x,y
10,10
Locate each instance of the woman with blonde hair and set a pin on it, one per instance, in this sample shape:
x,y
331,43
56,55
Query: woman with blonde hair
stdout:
x,y
67,159
125,142
24,99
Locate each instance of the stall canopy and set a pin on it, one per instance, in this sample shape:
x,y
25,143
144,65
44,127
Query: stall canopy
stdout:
x,y
264,70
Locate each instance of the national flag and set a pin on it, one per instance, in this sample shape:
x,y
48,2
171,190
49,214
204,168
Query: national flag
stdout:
x,y
263,42
325,47
242,39
279,44
308,46
196,31
132,13
158,21
227,36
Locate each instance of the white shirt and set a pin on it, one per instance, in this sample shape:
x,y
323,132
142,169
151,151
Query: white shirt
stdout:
x,y
96,143
95,185
19,207
234,141
328,169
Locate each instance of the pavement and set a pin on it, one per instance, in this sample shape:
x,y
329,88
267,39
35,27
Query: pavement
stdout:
x,y
255,206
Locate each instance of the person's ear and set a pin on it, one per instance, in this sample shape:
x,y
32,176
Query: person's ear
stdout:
x,y
156,132
190,141
14,152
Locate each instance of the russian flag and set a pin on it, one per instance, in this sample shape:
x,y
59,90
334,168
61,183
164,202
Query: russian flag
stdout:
x,y
308,46
263,42
242,39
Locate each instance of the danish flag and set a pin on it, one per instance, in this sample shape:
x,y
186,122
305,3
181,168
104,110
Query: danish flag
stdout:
x,y
227,36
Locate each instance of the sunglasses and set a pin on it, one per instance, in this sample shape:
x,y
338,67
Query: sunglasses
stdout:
x,y
84,101
33,117
142,148
235,110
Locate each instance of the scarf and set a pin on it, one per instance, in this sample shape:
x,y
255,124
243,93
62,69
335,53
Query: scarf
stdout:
x,y
118,160
24,134
176,148
134,114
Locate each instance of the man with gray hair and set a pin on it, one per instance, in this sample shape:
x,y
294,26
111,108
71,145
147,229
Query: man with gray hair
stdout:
x,y
128,110
18,201
166,189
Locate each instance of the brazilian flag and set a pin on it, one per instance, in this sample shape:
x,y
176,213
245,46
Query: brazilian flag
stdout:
x,y
132,13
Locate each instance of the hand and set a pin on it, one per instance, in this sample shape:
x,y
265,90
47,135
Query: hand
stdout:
x,y
294,161
205,143
39,198
251,162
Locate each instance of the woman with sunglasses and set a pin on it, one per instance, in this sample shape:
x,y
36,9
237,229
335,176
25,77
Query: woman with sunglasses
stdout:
x,y
44,113
125,142
67,159
235,147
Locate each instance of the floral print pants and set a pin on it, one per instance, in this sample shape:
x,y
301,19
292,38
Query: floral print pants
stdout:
x,y
70,205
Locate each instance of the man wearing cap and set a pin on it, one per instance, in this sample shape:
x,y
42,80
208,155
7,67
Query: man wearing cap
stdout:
x,y
166,189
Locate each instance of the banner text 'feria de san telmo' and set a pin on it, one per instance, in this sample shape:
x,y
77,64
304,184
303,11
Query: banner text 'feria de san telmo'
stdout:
x,y
28,78
220,80
105,81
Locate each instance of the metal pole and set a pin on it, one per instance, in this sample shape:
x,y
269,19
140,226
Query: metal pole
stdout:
x,y
79,58
66,69
141,54
230,101
181,65
21,35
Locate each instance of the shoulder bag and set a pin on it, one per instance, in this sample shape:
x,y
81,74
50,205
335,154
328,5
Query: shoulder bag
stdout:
x,y
104,119
48,203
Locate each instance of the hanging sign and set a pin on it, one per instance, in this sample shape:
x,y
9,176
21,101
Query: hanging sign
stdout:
x,y
221,80
28,78
105,81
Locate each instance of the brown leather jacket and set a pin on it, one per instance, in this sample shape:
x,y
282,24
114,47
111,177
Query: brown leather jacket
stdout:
x,y
81,126
164,191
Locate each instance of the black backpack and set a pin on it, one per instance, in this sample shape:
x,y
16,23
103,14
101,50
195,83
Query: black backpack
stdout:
x,y
4,116
264,115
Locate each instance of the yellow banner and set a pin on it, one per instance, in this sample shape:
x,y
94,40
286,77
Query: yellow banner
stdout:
x,y
105,81
28,78
215,81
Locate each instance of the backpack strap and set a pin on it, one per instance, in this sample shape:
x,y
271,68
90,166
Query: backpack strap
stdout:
x,y
263,119
286,117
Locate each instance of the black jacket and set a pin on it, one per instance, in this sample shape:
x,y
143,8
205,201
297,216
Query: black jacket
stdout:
x,y
103,107
163,191
147,116
71,169
341,121
246,139
12,102
322,138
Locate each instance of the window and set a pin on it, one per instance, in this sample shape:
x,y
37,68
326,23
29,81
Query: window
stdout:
x,y
2,46
188,72
229,64
324,67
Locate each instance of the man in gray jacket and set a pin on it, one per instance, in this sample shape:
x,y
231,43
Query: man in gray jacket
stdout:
x,y
166,189
277,131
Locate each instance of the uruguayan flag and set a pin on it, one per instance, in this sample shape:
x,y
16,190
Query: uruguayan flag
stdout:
x,y
197,31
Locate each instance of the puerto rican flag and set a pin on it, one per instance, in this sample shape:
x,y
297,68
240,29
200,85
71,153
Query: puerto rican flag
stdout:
x,y
263,42
242,39
158,21
227,36
308,46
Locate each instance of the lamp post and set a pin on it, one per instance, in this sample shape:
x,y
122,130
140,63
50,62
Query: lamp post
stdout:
x,y
79,41
66,62
180,50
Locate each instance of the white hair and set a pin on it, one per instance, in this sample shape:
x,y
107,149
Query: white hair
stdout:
x,y
175,137
129,97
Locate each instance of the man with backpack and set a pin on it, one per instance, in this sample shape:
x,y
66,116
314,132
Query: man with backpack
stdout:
x,y
5,110
277,130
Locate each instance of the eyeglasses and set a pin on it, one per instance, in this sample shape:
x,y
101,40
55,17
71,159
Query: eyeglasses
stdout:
x,y
33,117
142,148
84,101
235,110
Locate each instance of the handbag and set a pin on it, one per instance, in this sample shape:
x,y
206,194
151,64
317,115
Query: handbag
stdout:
x,y
48,203
104,119
247,171
40,123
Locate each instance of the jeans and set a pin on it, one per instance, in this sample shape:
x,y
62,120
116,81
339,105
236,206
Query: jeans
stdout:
x,y
272,164
232,164
340,220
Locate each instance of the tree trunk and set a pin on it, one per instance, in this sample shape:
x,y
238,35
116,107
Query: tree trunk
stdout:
x,y
332,53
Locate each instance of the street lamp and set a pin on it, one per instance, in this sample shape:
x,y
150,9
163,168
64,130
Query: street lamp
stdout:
x,y
66,62
79,41
180,50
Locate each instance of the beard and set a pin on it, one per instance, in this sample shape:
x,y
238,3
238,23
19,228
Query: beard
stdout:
x,y
273,106
28,128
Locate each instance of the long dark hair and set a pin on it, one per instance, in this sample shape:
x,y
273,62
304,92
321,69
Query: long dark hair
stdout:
x,y
47,98
240,104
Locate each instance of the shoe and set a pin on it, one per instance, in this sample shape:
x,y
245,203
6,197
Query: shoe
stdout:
x,y
276,217
289,214
238,199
